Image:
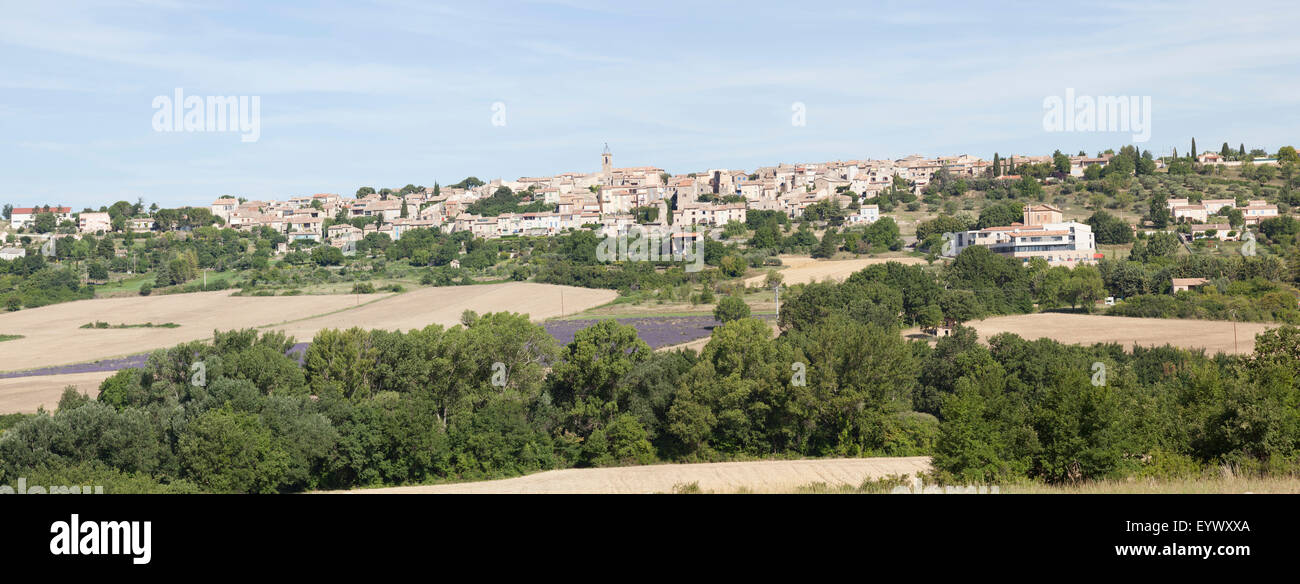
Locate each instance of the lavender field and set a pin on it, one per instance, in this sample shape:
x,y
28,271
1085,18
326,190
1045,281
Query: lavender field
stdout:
x,y
656,331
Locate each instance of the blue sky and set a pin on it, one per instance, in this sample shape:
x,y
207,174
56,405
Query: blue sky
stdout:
x,y
394,92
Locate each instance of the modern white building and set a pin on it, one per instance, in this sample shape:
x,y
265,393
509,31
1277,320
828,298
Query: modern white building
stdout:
x,y
866,215
1043,234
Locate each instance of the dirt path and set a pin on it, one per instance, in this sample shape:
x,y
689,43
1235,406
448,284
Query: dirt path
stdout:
x,y
718,477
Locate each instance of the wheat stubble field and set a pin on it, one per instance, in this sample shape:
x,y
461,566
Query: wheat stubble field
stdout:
x,y
803,269
52,335
1215,336
24,395
766,476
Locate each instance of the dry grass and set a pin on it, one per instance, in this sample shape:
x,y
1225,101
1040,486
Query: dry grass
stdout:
x,y
1214,336
53,334
23,395
426,306
1225,485
803,269
768,476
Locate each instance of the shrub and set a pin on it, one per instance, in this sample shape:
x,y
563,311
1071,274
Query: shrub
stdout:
x,y
731,308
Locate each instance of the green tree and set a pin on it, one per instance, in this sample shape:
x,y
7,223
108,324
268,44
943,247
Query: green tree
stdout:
x,y
1000,214
829,244
1288,154
44,222
97,271
731,308
1109,229
588,375
225,451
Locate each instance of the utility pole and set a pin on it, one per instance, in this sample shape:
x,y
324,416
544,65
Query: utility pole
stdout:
x,y
776,297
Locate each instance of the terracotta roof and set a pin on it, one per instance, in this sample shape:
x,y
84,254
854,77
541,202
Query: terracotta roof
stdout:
x,y
32,210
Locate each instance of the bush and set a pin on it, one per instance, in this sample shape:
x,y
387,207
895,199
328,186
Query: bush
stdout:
x,y
731,308
146,289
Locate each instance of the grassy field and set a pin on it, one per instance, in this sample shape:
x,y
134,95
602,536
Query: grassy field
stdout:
x,y
1116,251
125,285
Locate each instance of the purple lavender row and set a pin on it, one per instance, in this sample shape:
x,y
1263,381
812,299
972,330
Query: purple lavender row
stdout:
x,y
656,331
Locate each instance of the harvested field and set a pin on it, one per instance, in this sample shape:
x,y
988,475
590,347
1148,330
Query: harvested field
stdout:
x,y
52,334
1215,336
803,269
426,306
719,477
23,395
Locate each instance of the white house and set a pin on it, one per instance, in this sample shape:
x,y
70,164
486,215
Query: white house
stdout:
x,y
26,216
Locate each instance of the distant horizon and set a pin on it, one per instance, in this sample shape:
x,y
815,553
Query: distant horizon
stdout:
x,y
351,191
